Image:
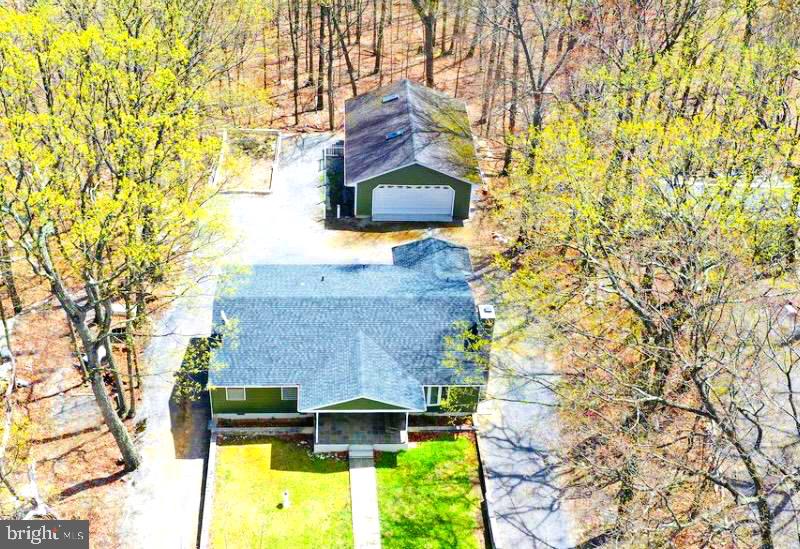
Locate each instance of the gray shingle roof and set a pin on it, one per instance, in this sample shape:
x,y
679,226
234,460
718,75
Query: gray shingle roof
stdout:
x,y
435,133
342,332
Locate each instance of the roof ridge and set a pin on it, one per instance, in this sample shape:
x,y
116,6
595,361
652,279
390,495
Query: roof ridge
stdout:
x,y
411,120
361,379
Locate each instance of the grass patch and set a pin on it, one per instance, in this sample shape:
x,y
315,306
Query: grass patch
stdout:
x,y
251,478
429,496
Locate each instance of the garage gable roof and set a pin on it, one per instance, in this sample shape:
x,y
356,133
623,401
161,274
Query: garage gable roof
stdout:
x,y
404,124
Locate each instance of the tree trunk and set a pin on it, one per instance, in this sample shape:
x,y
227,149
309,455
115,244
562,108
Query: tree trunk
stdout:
x,y
457,24
321,68
343,46
265,57
379,42
426,10
278,39
428,24
487,81
331,117
512,108
8,276
443,46
129,453
498,77
130,356
119,389
791,227
294,20
481,20
78,319
309,56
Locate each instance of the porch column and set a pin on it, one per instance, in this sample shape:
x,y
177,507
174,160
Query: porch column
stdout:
x,y
405,430
316,427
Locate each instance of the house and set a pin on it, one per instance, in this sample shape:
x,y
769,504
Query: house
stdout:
x,y
358,347
409,154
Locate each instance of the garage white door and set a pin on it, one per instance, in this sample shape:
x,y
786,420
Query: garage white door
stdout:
x,y
412,203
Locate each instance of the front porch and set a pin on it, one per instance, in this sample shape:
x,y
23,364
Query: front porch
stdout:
x,y
338,432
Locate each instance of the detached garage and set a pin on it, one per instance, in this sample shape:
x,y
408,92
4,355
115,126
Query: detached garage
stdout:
x,y
409,155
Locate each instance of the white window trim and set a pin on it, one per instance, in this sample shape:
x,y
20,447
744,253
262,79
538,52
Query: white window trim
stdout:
x,y
429,401
296,394
244,394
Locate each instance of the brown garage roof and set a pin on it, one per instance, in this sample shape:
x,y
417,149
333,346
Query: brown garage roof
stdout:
x,y
405,123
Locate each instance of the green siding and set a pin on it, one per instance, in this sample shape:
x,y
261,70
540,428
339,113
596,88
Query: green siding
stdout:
x,y
414,175
259,401
459,399
362,404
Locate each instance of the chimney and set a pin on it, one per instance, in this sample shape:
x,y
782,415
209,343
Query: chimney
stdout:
x,y
487,316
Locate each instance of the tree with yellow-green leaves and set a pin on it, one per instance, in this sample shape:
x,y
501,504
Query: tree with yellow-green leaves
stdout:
x,y
648,225
105,159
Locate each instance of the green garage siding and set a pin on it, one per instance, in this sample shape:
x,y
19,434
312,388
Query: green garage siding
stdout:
x,y
259,401
414,175
459,399
362,404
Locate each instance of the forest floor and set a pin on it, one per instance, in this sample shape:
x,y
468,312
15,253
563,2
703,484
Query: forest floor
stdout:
x,y
78,467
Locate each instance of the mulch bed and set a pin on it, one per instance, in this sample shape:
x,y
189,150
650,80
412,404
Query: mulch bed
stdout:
x,y
438,421
276,422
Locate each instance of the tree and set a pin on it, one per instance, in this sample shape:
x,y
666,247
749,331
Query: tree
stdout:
x,y
427,11
649,223
332,13
104,176
379,39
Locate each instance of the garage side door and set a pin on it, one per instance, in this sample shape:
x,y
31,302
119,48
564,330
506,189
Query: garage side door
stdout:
x,y
412,203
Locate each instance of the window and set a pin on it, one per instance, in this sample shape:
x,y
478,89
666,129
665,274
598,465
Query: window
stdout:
x,y
235,393
434,395
288,393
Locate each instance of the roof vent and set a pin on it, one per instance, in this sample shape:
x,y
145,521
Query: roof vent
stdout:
x,y
486,312
390,98
396,133
487,317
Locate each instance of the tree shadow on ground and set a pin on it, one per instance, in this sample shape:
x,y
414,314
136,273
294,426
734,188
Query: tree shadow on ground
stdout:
x,y
293,453
189,417
91,483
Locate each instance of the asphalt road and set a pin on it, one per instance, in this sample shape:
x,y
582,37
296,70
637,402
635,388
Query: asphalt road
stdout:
x,y
517,429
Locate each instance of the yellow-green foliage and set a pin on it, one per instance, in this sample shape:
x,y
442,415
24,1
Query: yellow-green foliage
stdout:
x,y
104,154
646,218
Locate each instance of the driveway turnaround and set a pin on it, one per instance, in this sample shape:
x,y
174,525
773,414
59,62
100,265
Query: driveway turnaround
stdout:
x,y
364,503
517,428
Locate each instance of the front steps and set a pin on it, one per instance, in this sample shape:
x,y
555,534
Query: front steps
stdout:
x,y
357,451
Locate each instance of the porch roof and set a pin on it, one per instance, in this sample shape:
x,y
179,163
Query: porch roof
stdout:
x,y
376,377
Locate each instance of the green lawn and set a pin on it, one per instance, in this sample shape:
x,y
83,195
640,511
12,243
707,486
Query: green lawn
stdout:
x,y
429,496
251,478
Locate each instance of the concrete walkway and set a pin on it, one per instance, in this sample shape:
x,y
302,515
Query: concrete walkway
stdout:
x,y
364,503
